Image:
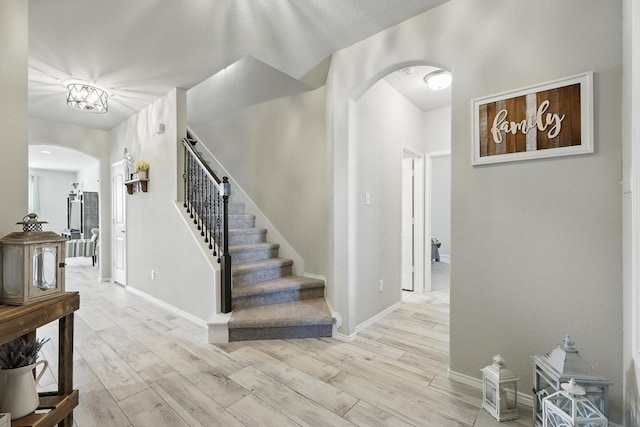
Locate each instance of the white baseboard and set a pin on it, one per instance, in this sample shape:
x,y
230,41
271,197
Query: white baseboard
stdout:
x,y
524,399
364,325
218,328
445,258
345,338
171,308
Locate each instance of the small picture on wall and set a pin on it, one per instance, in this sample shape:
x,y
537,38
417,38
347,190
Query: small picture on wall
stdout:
x,y
546,120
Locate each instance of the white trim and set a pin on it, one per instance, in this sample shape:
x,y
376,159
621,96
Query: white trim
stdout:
x,y
218,328
345,338
364,325
337,317
419,220
167,306
445,258
635,183
523,399
352,219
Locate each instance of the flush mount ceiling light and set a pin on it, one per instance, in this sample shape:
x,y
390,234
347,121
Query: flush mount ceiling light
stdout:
x,y
407,71
438,80
86,96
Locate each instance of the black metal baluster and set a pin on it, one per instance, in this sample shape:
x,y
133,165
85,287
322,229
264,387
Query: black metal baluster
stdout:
x,y
184,177
206,200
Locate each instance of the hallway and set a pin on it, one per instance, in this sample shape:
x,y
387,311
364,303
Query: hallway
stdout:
x,y
137,364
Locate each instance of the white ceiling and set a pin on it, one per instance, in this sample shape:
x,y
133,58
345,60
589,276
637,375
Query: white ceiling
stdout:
x,y
141,49
58,158
410,83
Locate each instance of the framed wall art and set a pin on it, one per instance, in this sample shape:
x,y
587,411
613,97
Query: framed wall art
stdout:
x,y
545,120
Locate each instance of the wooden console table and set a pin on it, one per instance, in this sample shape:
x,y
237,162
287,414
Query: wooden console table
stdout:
x,y
18,321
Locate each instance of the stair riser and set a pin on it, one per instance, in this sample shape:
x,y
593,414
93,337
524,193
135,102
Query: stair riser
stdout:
x,y
247,238
236,208
242,257
250,277
242,222
285,296
281,332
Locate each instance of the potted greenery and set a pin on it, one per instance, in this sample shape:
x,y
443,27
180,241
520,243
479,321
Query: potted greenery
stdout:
x,y
18,362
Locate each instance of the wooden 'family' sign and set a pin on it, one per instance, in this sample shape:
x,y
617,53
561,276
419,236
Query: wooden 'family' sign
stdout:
x,y
552,119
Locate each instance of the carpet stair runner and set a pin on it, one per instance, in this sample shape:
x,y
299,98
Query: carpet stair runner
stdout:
x,y
269,302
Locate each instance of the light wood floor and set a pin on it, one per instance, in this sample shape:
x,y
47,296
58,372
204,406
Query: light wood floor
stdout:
x,y
137,364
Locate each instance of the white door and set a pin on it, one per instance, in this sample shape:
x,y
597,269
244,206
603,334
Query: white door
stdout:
x,y
119,217
408,229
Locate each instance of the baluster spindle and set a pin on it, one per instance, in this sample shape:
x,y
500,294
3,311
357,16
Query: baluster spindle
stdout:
x,y
206,201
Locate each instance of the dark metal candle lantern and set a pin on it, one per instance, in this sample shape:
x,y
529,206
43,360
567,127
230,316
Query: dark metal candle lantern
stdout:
x,y
31,263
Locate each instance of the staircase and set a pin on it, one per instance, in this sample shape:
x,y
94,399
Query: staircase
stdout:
x,y
268,301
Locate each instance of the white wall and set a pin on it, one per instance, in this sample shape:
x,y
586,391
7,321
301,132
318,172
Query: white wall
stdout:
x,y
437,131
97,144
14,45
553,226
385,122
441,204
157,237
89,178
276,151
54,189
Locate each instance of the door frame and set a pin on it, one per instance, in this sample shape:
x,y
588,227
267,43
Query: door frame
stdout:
x,y
419,284
117,167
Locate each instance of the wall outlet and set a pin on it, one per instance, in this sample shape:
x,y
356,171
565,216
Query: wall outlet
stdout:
x,y
153,275
381,285
367,199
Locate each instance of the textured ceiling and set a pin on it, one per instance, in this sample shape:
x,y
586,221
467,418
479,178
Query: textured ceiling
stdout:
x,y
141,49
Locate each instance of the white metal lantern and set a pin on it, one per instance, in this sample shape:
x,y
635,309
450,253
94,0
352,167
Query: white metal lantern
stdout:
x,y
560,366
500,390
570,408
31,263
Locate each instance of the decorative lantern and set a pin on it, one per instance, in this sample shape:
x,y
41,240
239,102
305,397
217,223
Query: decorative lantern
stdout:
x,y
500,390
561,365
569,407
31,263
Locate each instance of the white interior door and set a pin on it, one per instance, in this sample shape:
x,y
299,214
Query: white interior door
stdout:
x,y
119,216
408,229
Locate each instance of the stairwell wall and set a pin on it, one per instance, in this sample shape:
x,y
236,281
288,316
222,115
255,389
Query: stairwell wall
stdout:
x,y
157,237
276,151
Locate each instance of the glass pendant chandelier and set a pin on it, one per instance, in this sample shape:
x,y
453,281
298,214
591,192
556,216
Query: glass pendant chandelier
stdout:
x,y
85,96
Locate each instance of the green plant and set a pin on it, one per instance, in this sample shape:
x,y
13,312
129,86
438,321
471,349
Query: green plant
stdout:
x,y
20,352
141,165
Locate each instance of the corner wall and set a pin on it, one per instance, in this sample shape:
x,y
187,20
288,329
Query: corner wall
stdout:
x,y
14,45
537,244
630,174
